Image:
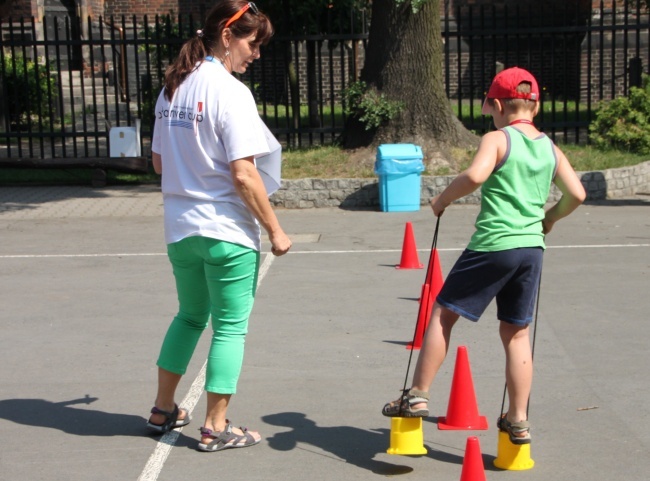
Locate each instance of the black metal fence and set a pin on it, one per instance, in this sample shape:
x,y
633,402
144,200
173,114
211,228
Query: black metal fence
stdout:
x,y
580,56
66,83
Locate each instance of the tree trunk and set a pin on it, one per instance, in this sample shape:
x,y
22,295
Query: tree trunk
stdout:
x,y
404,61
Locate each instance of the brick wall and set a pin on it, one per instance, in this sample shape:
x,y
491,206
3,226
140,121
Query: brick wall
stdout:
x,y
616,53
546,57
153,7
335,61
499,3
17,9
547,66
27,8
95,8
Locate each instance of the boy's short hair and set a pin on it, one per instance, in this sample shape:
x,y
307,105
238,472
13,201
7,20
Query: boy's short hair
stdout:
x,y
516,86
505,83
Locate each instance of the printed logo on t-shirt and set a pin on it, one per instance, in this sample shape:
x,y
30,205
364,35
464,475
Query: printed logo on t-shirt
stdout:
x,y
199,111
182,116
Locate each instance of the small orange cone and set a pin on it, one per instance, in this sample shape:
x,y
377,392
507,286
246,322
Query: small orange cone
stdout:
x,y
424,314
473,469
462,411
410,258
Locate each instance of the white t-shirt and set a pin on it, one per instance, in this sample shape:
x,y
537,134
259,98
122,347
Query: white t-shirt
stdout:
x,y
211,121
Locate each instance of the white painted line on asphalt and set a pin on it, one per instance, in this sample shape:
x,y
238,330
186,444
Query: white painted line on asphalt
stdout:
x,y
597,246
455,249
47,256
157,459
360,251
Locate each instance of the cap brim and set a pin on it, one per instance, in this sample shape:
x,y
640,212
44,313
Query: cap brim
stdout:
x,y
484,108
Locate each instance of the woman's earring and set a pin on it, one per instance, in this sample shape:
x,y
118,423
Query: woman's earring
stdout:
x,y
227,52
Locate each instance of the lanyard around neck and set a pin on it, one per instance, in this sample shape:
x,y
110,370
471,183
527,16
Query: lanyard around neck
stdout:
x,y
521,121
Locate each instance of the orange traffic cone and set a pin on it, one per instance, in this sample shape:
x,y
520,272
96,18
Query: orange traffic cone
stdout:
x,y
473,469
462,412
434,276
410,258
424,314
435,280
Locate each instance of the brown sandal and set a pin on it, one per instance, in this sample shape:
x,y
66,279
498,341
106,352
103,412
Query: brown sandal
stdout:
x,y
519,432
402,407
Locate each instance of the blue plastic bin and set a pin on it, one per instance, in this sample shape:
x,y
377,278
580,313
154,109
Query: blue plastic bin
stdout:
x,y
399,167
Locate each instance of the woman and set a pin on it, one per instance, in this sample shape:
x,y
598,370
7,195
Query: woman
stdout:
x,y
206,138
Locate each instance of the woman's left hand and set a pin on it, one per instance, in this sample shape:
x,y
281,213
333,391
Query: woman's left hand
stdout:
x,y
280,243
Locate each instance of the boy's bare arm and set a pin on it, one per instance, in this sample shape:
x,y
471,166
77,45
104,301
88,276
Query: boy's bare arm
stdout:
x,y
573,193
490,151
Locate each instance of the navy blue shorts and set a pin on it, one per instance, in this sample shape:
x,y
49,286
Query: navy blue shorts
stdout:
x,y
512,276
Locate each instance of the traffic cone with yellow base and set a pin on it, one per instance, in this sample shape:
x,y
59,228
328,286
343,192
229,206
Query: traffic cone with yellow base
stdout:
x,y
513,457
406,437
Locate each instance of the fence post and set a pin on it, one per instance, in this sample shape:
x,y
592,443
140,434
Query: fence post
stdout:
x,y
3,124
635,68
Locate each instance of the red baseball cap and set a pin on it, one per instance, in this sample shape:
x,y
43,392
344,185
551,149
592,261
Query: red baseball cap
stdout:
x,y
505,83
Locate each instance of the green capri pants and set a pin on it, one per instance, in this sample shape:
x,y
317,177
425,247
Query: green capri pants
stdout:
x,y
218,279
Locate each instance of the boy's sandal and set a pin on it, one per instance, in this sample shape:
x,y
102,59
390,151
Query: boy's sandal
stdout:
x,y
226,439
519,432
171,420
402,407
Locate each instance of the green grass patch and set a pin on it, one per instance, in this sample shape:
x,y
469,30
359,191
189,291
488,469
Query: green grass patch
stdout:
x,y
333,162
19,177
322,162
280,116
587,158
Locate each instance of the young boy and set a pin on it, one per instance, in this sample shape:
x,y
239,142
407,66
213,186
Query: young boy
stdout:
x,y
514,166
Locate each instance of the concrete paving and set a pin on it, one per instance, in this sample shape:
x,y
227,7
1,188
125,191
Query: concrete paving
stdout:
x,y
87,294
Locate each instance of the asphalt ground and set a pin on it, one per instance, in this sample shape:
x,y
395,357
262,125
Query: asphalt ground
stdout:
x,y
87,294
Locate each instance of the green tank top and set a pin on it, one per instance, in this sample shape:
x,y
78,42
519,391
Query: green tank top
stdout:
x,y
513,197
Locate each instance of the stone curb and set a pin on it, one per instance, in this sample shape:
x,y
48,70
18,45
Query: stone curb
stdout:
x,y
619,183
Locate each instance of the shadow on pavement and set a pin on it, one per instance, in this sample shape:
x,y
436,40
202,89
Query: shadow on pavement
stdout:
x,y
353,445
78,422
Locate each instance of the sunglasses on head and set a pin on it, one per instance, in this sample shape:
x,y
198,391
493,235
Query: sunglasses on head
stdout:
x,y
249,6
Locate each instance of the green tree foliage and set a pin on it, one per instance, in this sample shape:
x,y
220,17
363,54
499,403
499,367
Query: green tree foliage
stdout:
x,y
370,107
624,123
28,90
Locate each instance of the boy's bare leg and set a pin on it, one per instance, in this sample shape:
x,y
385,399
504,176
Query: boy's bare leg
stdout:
x,y
519,369
434,348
